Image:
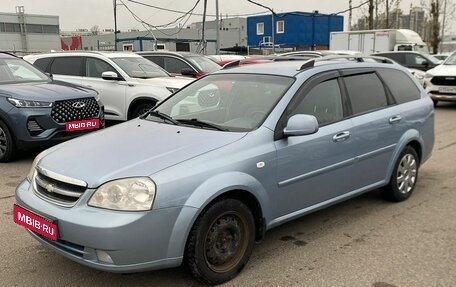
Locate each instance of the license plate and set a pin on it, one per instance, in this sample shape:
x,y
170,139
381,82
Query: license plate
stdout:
x,y
82,125
35,223
448,90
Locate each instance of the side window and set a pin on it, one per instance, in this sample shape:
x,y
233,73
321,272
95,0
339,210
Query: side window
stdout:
x,y
174,65
95,67
324,101
43,64
414,60
366,92
70,66
401,86
157,60
400,58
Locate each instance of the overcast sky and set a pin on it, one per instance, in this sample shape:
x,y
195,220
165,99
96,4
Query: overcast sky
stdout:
x,y
88,13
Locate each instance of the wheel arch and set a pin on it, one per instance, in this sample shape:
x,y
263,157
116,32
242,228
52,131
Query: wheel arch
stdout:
x,y
138,101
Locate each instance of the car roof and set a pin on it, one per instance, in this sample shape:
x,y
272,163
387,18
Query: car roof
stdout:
x,y
72,53
165,52
6,55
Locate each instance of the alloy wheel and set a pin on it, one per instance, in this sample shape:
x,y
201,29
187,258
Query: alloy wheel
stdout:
x,y
406,173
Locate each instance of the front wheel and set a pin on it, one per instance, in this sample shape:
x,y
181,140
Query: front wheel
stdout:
x,y
404,177
6,143
141,109
221,241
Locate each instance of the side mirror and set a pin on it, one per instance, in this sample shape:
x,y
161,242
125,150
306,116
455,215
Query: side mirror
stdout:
x,y
188,72
109,76
299,125
49,75
425,63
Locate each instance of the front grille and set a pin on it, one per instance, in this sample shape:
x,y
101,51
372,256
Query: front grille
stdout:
x,y
444,81
57,191
73,110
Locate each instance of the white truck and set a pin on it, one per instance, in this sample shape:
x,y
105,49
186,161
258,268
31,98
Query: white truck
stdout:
x,y
373,41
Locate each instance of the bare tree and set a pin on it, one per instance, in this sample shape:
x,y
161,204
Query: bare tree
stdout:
x,y
435,30
371,14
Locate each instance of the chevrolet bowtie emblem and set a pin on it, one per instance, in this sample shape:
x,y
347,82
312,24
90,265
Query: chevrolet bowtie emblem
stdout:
x,y
50,188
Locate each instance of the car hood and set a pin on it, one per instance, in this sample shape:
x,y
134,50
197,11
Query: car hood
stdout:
x,y
170,82
135,148
443,70
46,91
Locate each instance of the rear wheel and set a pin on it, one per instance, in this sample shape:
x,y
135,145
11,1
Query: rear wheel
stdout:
x,y
221,241
404,177
6,143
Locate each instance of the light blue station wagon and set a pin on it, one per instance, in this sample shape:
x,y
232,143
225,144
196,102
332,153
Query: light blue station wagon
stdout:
x,y
202,176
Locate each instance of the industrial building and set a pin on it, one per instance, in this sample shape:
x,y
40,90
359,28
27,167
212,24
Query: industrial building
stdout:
x,y
296,30
22,33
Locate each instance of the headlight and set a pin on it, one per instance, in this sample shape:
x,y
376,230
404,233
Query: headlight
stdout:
x,y
29,104
428,75
172,90
128,194
33,168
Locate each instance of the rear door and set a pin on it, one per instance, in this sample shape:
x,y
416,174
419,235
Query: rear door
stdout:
x,y
377,126
67,69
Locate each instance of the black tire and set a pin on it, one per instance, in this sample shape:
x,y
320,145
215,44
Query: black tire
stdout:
x,y
7,148
435,102
404,177
220,242
141,109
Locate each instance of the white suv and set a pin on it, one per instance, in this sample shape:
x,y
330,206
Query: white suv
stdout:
x,y
440,82
128,84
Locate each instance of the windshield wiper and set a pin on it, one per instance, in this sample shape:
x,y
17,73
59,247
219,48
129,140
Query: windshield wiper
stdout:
x,y
202,124
158,114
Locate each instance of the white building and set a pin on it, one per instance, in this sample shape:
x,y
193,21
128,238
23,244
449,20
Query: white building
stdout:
x,y
27,33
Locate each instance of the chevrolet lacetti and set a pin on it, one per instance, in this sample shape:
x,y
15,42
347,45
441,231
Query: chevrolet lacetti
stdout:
x,y
202,176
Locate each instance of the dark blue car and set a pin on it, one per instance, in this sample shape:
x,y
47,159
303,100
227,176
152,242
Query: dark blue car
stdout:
x,y
38,111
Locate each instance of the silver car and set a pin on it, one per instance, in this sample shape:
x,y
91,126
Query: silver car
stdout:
x,y
202,176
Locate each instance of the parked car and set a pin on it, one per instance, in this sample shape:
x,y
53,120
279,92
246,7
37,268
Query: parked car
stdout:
x,y
318,54
440,82
412,59
202,176
182,63
128,84
38,111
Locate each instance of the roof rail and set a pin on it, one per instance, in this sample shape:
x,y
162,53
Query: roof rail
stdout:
x,y
357,58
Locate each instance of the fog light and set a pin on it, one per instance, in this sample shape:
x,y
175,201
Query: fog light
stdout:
x,y
103,256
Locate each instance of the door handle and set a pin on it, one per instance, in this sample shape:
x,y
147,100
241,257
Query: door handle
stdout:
x,y
395,119
341,136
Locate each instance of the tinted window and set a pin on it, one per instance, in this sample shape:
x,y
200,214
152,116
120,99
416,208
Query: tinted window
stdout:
x,y
157,60
366,92
42,64
324,101
70,66
398,57
173,65
95,67
400,85
413,59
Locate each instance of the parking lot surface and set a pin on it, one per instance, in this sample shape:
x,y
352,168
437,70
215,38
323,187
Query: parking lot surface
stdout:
x,y
361,242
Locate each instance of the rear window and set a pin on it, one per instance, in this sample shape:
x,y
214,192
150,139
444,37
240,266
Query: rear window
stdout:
x,y
401,86
366,92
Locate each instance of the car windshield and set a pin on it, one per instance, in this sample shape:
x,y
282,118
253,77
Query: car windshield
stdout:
x,y
231,102
19,71
433,59
451,60
139,67
204,64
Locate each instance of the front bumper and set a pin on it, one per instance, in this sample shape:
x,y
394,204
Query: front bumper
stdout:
x,y
134,241
34,127
436,94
